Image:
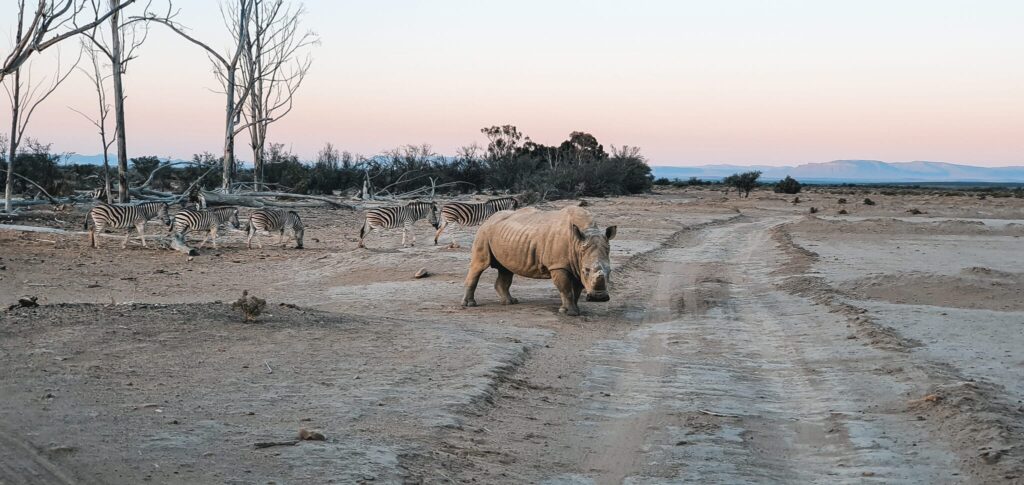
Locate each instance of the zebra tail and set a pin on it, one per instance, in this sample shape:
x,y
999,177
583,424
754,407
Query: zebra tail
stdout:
x,y
85,224
362,230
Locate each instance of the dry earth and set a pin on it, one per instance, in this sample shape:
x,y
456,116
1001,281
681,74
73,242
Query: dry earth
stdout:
x,y
746,342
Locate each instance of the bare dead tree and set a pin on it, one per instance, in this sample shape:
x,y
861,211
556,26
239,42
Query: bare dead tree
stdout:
x,y
25,95
275,66
49,24
237,17
99,77
118,44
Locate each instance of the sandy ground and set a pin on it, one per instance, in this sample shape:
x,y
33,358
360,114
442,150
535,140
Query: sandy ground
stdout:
x,y
746,342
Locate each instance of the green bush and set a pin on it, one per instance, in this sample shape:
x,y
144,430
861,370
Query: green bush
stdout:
x,y
788,185
743,182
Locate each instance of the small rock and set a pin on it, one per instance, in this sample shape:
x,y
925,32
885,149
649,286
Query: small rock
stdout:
x,y
422,273
307,435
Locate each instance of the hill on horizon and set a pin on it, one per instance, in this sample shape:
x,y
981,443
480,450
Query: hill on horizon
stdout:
x,y
873,171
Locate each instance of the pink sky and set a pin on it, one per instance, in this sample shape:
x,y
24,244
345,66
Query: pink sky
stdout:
x,y
690,82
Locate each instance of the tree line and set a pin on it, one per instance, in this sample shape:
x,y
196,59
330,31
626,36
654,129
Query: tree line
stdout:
x,y
511,162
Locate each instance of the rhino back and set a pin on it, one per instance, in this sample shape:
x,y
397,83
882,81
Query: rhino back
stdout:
x,y
530,242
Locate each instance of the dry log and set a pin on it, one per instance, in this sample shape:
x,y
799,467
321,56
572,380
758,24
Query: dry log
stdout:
x,y
47,230
265,199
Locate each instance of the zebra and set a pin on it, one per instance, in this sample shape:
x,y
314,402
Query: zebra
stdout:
x,y
204,220
467,215
273,220
393,217
105,215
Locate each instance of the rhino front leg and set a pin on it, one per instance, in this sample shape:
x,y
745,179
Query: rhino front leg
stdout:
x,y
502,284
564,282
477,265
577,290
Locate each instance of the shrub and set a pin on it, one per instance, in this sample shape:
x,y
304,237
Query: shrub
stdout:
x,y
788,185
868,201
662,181
843,211
743,182
842,200
814,210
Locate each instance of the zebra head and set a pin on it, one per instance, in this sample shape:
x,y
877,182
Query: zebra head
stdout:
x,y
165,213
298,230
434,221
234,219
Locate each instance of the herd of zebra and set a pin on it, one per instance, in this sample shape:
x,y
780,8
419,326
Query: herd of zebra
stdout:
x,y
286,223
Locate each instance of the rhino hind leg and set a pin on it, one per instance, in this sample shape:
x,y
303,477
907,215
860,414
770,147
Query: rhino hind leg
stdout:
x,y
566,285
502,284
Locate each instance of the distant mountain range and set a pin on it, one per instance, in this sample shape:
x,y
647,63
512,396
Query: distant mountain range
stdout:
x,y
851,171
76,159
856,171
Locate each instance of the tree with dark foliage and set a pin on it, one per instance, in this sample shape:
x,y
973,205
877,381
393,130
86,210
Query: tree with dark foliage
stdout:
x,y
743,182
788,185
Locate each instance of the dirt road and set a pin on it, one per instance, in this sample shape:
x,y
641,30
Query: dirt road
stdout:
x,y
724,357
720,378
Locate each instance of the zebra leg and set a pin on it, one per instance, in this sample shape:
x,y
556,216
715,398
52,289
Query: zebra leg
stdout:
x,y
437,234
454,244
502,284
127,234
252,234
92,233
281,240
142,232
213,236
203,242
363,232
405,233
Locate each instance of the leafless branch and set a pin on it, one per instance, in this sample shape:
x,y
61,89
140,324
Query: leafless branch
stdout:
x,y
49,18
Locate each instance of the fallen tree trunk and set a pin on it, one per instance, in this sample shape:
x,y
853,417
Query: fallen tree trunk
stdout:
x,y
264,199
173,242
47,230
332,201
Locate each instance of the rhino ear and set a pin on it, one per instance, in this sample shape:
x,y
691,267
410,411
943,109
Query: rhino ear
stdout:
x,y
610,232
578,234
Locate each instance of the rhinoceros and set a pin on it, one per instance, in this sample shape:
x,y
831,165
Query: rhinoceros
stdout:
x,y
565,246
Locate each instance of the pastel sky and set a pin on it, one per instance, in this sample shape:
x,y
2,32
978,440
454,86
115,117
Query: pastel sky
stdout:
x,y
766,82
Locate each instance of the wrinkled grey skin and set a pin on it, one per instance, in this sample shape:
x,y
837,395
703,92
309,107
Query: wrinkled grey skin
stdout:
x,y
565,246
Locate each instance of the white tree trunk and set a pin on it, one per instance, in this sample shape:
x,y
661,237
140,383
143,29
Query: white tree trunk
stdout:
x,y
122,149
13,148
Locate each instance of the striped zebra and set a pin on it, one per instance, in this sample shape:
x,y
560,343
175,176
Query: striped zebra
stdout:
x,y
124,217
273,220
468,215
393,217
204,220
